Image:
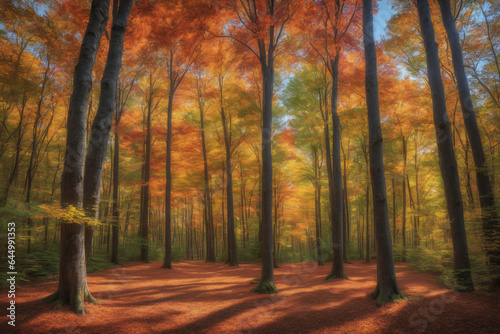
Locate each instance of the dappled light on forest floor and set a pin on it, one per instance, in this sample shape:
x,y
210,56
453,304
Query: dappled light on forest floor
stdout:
x,y
204,297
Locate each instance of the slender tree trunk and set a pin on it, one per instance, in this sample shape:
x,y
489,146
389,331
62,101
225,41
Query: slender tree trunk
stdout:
x,y
346,206
266,284
367,202
403,227
231,237
338,202
447,160
491,226
387,287
207,214
224,227
393,213
34,155
116,212
317,206
168,188
367,233
72,286
17,157
97,150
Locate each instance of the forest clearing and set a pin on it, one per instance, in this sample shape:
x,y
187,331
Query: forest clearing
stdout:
x,y
250,166
199,297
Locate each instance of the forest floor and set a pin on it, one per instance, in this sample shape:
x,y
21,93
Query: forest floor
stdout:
x,y
199,297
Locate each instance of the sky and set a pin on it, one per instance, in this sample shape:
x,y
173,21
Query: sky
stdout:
x,y
380,20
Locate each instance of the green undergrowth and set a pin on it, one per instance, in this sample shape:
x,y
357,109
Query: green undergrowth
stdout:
x,y
43,265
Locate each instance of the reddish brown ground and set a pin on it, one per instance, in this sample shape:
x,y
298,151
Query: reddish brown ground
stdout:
x,y
200,297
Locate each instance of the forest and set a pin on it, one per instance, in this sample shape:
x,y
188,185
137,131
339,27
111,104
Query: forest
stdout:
x,y
256,166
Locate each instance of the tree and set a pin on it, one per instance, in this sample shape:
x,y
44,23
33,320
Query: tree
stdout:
x,y
124,89
181,46
232,250
329,34
306,95
207,200
101,126
447,160
491,226
387,287
145,189
262,28
73,287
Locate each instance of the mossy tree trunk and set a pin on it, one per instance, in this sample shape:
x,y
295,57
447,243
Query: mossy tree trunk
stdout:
x,y
72,286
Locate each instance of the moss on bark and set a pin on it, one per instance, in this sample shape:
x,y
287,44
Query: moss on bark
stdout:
x,y
266,287
332,276
77,302
387,295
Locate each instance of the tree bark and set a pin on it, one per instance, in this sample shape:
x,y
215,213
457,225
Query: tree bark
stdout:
x,y
403,227
168,188
145,217
232,250
337,226
447,160
72,286
101,126
207,214
491,226
266,284
393,213
387,287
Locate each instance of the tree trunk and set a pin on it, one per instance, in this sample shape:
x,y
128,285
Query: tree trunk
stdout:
x,y
338,202
145,204
447,160
317,205
491,227
393,213
387,287
72,286
35,149
168,188
266,284
232,250
116,212
17,157
97,150
207,214
403,227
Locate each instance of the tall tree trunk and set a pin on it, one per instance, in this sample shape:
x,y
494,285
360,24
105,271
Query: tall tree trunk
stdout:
x,y
145,204
367,219
346,217
387,287
224,226
266,284
35,149
403,227
317,205
72,286
97,150
337,226
329,171
232,249
393,213
367,212
116,212
168,188
491,226
207,215
17,157
447,160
